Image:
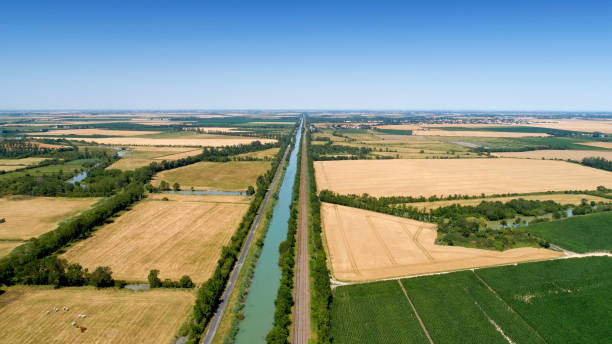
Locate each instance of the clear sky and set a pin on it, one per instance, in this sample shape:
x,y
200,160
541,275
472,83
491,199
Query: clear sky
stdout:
x,y
488,55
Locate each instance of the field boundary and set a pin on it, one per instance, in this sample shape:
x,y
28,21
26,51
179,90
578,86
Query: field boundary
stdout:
x,y
415,312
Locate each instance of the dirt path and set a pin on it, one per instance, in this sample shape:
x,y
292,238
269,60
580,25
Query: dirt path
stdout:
x,y
301,311
415,312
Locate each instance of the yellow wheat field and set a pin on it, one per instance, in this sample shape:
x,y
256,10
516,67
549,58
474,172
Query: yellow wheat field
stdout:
x,y
588,125
427,177
28,217
182,236
228,176
577,155
598,144
468,133
365,245
113,316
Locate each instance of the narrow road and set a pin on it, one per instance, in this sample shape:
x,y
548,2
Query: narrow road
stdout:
x,y
301,311
214,322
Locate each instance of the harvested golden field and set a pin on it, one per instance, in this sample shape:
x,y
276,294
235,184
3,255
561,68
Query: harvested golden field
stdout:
x,y
226,176
87,132
201,198
365,245
28,217
143,156
216,129
598,144
439,132
191,142
182,236
559,198
427,177
262,154
113,316
588,125
557,154
181,155
15,164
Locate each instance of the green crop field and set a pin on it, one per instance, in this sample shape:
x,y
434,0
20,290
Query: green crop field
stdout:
x,y
566,301
374,313
458,308
586,233
559,301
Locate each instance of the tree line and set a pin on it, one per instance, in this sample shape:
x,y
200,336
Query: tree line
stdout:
x,y
320,296
329,151
467,225
286,261
156,282
29,257
600,163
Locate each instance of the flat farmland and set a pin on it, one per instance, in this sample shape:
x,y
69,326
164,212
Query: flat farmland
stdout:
x,y
14,164
427,177
28,217
91,132
557,301
181,236
113,316
143,156
587,125
227,176
374,313
468,133
190,141
607,145
559,198
565,300
263,154
557,154
585,233
365,245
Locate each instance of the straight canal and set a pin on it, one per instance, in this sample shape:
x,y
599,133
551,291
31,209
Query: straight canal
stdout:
x,y
259,305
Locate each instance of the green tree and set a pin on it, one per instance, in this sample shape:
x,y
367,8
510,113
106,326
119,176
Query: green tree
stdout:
x,y
176,187
186,282
75,275
154,281
102,277
164,186
250,190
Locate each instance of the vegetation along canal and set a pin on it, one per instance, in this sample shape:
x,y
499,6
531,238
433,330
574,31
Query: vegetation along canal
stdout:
x,y
259,305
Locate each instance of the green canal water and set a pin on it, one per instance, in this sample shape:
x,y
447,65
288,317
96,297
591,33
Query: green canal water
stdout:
x,y
259,305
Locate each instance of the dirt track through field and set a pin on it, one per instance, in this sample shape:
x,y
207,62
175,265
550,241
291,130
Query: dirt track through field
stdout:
x,y
301,311
366,246
415,312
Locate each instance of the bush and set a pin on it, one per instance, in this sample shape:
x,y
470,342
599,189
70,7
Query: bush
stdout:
x,y
186,282
102,277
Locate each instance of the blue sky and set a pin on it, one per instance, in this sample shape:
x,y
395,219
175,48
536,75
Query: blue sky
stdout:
x,y
486,55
